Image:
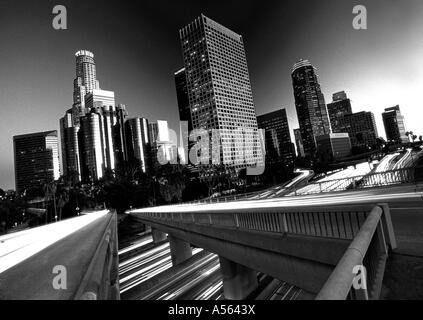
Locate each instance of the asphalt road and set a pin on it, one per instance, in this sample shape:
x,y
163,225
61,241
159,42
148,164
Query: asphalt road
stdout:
x,y
33,278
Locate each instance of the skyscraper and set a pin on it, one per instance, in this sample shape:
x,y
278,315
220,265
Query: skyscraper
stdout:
x,y
183,97
337,109
394,124
361,127
98,123
70,147
299,143
119,135
279,148
310,104
138,142
91,147
219,89
85,81
36,159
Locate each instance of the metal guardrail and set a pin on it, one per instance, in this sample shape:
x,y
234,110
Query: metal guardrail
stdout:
x,y
337,222
372,180
369,228
101,281
369,249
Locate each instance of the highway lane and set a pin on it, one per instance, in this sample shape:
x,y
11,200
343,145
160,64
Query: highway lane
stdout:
x,y
130,268
27,268
303,176
191,280
166,289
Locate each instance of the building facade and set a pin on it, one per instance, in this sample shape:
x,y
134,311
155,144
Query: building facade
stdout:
x,y
333,146
36,159
394,124
71,164
85,81
310,105
219,90
361,127
337,109
299,143
138,142
279,147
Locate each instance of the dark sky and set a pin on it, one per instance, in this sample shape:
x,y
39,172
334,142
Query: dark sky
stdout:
x,y
137,50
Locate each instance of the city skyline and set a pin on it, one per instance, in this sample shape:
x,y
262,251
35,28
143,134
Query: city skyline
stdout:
x,y
53,69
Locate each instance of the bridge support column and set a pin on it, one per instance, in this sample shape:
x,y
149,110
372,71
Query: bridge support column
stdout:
x,y
158,236
238,280
179,250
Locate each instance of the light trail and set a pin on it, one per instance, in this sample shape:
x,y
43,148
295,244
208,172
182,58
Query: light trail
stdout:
x,y
17,247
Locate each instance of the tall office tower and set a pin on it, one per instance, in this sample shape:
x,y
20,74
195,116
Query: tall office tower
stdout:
x,y
119,135
103,103
85,81
339,107
153,131
183,97
299,143
361,128
138,142
70,147
394,124
91,147
185,128
310,104
219,89
279,148
36,159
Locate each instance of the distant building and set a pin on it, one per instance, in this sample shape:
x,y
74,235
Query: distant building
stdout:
x,y
85,82
99,98
394,124
333,146
138,142
119,135
279,148
36,159
186,125
92,154
337,109
163,149
183,97
310,105
362,129
299,143
70,147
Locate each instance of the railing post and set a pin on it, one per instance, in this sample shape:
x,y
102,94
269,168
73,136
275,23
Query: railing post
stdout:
x,y
388,226
284,223
236,220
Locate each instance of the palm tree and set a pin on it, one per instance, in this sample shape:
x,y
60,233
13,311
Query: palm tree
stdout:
x,y
50,192
63,198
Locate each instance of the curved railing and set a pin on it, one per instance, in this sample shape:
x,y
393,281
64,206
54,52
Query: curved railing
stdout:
x,y
367,253
101,282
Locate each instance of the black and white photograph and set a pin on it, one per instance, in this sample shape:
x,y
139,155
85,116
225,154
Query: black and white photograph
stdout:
x,y
216,155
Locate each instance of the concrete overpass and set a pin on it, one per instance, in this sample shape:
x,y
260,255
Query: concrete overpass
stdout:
x,y
71,259
311,246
